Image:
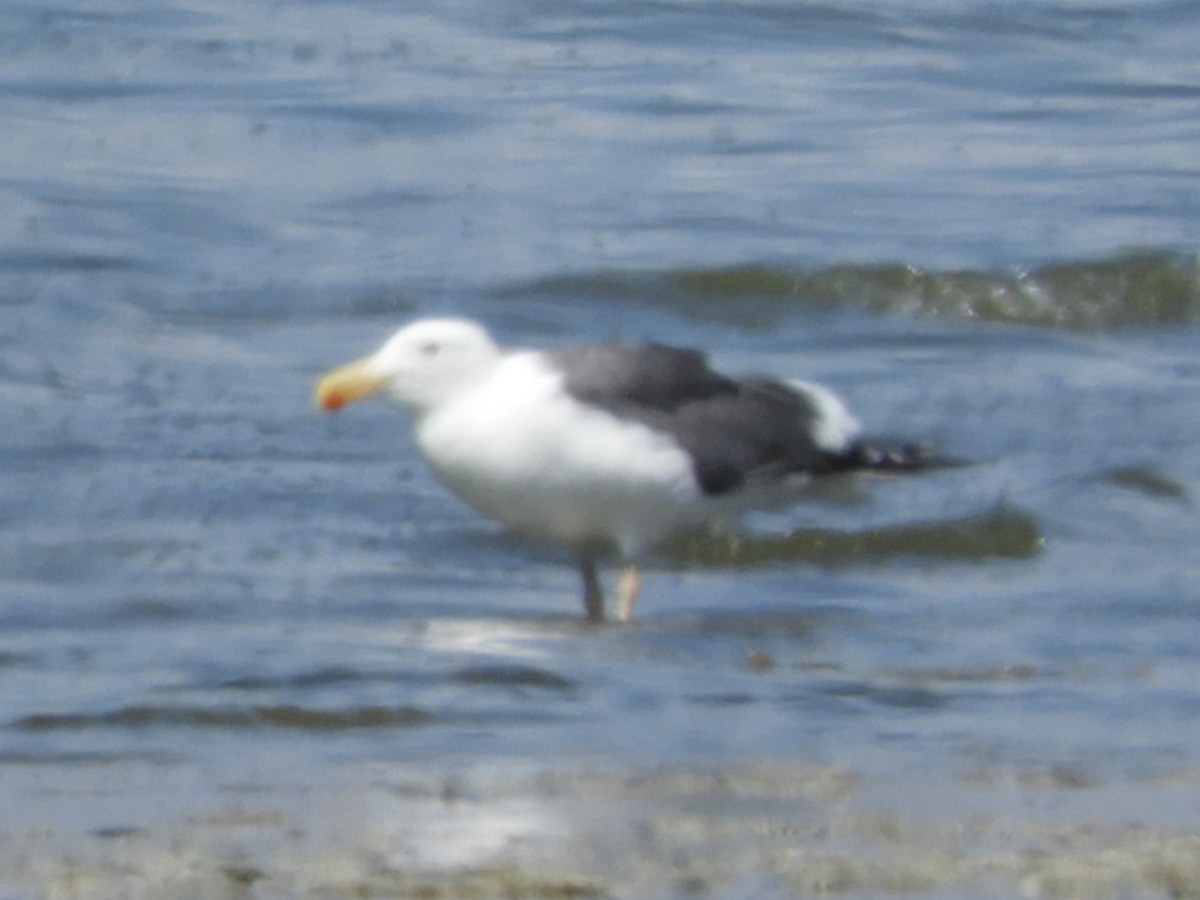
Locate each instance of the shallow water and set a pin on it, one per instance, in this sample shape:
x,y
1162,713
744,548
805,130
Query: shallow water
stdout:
x,y
244,647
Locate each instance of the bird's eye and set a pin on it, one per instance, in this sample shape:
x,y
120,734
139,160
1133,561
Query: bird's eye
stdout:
x,y
431,348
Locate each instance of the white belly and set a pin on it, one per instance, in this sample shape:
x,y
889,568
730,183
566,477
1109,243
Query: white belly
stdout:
x,y
525,454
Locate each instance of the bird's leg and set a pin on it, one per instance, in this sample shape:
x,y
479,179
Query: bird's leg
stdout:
x,y
629,585
593,594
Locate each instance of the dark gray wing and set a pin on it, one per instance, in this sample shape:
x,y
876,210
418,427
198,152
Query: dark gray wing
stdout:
x,y
735,430
633,378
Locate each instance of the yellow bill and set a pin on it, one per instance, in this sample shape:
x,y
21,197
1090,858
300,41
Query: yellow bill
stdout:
x,y
346,384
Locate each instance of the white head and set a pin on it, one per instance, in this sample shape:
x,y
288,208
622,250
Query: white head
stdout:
x,y
421,366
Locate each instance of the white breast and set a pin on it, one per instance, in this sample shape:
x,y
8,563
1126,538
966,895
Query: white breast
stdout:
x,y
523,452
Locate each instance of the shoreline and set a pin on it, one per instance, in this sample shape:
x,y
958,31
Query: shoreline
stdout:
x,y
780,829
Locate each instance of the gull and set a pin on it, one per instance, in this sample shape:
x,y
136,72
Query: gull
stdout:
x,y
605,446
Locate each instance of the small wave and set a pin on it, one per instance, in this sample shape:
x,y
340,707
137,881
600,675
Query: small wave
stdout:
x,y
1134,289
1148,481
282,716
42,262
512,676
1002,532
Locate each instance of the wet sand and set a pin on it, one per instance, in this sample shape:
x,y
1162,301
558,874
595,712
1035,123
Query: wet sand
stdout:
x,y
770,829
